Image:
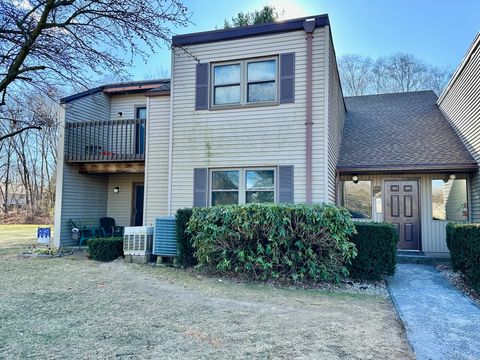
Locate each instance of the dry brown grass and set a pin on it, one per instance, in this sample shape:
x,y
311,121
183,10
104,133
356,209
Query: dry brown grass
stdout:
x,y
75,308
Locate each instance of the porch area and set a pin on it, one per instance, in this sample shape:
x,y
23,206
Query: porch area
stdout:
x,y
89,197
420,205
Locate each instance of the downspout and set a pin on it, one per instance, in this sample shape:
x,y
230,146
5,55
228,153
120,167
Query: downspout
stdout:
x,y
170,138
309,27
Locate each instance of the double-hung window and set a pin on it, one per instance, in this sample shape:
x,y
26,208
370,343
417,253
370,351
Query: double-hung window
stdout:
x,y
245,82
240,186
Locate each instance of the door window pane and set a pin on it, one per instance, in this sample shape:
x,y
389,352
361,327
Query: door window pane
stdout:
x,y
261,70
357,198
224,198
141,113
449,200
260,197
225,180
260,179
227,74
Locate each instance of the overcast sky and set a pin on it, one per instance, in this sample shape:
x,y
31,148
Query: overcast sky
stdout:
x,y
437,31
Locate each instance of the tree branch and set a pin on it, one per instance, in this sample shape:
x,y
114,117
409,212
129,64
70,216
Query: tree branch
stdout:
x,y
3,137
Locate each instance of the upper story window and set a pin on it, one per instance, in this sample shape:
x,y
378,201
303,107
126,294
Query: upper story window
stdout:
x,y
245,82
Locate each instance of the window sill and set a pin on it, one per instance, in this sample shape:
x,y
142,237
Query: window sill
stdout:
x,y
245,106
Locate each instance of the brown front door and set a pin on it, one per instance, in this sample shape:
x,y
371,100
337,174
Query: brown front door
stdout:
x,y
401,210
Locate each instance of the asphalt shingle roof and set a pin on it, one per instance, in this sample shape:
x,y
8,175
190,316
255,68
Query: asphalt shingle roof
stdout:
x,y
400,131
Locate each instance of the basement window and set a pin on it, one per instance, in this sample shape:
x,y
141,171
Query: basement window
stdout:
x,y
357,198
449,200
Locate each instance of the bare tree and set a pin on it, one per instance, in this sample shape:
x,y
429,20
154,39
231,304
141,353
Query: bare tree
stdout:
x,y
28,160
356,74
158,73
395,73
44,43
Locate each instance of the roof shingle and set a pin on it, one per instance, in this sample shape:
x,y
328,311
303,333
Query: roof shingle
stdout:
x,y
400,131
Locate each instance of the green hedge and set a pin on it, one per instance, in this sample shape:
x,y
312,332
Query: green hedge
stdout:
x,y
270,241
105,249
377,251
463,241
184,239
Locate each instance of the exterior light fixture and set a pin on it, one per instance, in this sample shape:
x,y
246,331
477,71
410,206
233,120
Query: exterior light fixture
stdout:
x,y
355,179
120,113
116,189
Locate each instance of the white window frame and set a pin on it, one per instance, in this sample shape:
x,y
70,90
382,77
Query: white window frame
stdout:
x,y
242,183
244,83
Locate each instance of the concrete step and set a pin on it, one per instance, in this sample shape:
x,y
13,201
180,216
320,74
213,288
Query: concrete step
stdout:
x,y
418,257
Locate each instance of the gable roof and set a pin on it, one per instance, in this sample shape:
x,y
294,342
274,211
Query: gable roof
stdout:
x,y
247,31
400,132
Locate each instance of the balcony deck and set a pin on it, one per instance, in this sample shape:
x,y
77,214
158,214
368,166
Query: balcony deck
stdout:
x,y
105,141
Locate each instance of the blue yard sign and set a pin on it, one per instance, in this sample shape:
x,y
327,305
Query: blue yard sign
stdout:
x,y
43,235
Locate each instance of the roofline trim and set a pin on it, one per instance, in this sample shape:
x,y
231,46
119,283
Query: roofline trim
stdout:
x,y
466,59
110,87
247,31
410,168
157,93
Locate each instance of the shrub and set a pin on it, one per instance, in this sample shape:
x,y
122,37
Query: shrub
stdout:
x,y
184,239
463,241
105,249
377,251
270,241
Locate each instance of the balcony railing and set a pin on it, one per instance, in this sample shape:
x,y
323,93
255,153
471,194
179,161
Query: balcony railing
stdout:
x,y
103,141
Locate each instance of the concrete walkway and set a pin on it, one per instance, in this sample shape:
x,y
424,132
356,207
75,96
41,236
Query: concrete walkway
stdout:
x,y
441,322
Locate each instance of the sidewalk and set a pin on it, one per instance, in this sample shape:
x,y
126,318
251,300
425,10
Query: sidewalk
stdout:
x,y
441,322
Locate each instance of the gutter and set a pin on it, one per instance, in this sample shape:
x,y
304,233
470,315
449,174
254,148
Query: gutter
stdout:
x,y
309,27
170,138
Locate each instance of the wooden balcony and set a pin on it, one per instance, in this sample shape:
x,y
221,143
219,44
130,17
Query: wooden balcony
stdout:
x,y
105,141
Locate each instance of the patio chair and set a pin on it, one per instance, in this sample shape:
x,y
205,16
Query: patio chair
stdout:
x,y
83,232
109,228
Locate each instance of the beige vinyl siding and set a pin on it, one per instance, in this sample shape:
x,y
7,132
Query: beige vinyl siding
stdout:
x,y
336,120
126,104
156,166
255,136
83,196
461,105
432,231
95,107
119,205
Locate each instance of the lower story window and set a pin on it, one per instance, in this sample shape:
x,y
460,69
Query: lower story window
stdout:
x,y
240,186
357,198
449,200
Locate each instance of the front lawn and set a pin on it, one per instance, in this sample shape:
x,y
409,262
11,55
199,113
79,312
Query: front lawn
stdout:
x,y
19,235
72,307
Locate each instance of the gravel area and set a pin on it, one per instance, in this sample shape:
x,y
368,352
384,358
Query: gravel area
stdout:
x,y
457,279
